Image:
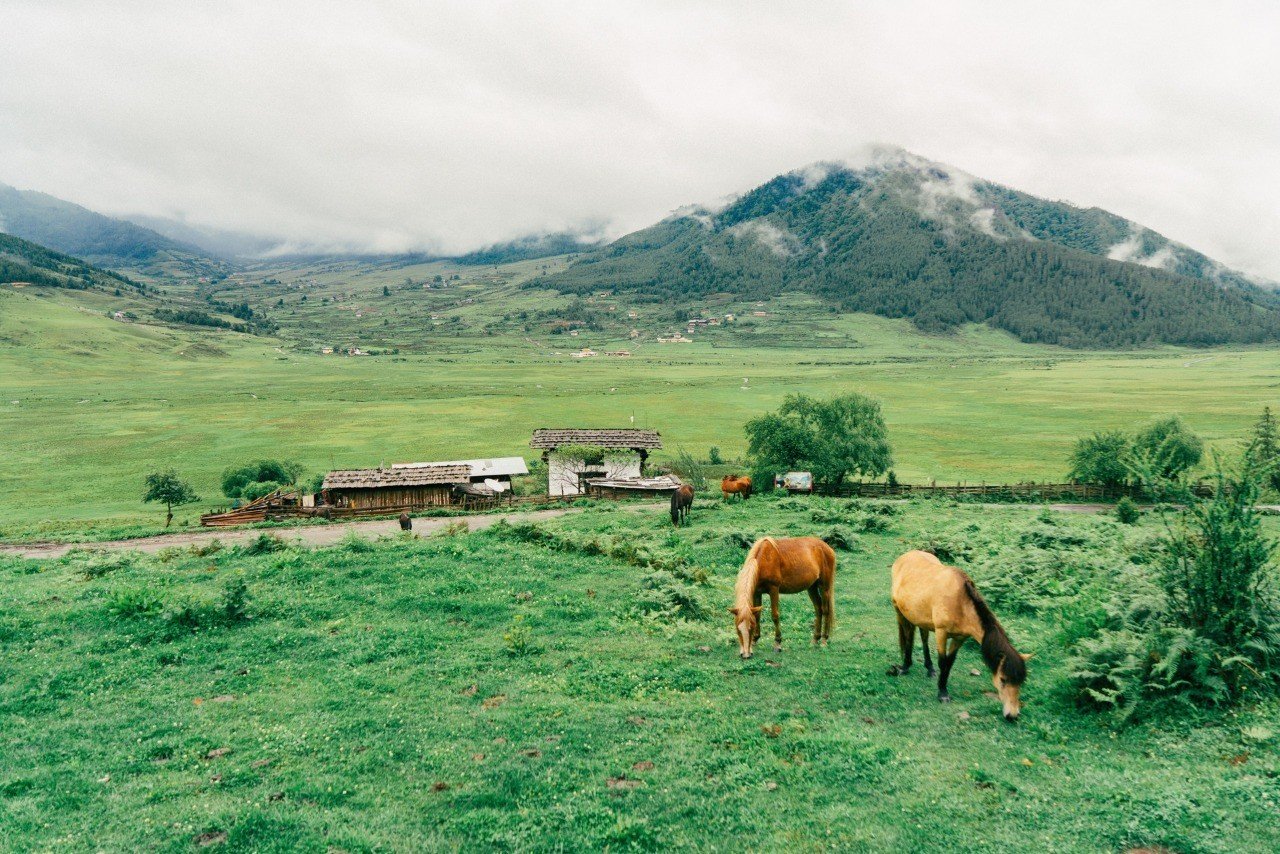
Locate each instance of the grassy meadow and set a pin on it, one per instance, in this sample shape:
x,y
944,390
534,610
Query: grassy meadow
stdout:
x,y
574,685
89,405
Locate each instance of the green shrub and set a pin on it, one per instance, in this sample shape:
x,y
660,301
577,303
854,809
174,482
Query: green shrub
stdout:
x,y
839,537
1204,631
713,456
689,470
1127,511
517,640
263,544
665,596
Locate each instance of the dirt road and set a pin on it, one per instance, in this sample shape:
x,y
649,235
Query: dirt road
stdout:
x,y
311,535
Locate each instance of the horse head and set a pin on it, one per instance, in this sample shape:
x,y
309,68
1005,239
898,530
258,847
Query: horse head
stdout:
x,y
1008,680
746,622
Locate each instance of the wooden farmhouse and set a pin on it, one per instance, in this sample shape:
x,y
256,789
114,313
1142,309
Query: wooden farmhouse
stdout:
x,y
575,456
492,473
395,488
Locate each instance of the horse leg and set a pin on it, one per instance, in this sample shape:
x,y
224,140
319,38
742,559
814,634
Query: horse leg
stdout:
x,y
948,648
928,659
906,639
829,608
815,596
777,619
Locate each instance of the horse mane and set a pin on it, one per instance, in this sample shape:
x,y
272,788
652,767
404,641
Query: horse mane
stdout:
x,y
995,642
746,584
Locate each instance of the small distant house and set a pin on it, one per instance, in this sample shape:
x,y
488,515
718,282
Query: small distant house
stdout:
x,y
575,456
674,338
394,488
633,315
328,351
584,353
730,317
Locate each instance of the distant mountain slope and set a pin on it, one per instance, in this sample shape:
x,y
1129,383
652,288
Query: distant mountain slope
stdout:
x,y
103,240
23,261
530,247
902,236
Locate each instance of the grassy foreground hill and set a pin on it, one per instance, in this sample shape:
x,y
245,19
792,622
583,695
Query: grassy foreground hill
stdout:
x,y
517,689
902,236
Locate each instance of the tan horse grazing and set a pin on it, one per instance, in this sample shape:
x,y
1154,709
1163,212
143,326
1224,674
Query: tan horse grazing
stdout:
x,y
731,484
784,565
933,597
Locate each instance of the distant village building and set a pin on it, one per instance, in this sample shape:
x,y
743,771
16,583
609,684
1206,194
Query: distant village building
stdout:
x,y
635,333
620,353
584,353
632,315
730,317
398,487
328,351
493,473
621,455
674,338
759,314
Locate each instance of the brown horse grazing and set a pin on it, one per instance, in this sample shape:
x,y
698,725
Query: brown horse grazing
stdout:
x,y
681,501
781,565
933,597
406,523
731,484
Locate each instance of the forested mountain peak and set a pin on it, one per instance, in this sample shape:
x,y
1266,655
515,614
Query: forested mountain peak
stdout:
x,y
903,236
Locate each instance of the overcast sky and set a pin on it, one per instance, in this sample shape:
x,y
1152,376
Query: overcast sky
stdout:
x,y
417,125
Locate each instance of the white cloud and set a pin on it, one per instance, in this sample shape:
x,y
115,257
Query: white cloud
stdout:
x,y
398,125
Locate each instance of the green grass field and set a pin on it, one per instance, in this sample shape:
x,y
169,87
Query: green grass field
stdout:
x,y
89,405
518,690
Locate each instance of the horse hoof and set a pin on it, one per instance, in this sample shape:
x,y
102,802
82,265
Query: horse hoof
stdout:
x,y
944,698
777,647
930,673
896,670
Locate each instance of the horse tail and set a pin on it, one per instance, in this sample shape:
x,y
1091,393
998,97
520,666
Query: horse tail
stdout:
x,y
995,642
830,599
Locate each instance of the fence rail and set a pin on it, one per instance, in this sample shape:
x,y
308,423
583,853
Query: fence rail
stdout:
x,y
252,515
995,490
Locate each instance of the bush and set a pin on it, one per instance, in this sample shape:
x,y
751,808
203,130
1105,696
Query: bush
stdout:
x,y
1202,632
264,544
254,491
664,595
1127,511
840,537
235,480
690,470
517,640
713,456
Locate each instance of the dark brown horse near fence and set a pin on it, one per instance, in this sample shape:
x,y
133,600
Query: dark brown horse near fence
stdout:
x,y
777,565
731,484
681,501
933,597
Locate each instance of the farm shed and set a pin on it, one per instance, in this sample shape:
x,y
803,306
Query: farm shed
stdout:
x,y
401,487
575,456
495,473
634,487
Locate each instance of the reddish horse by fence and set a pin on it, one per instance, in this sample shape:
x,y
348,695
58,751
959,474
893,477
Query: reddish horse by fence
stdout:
x,y
731,484
681,501
778,565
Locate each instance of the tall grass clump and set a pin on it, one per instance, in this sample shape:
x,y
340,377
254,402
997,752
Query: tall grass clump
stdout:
x,y
1202,631
690,470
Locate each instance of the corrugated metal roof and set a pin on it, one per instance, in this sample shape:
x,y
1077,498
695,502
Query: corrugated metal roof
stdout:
x,y
424,475
548,438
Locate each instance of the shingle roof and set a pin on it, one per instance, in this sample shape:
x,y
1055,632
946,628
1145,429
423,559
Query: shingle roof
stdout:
x,y
409,476
490,467
547,438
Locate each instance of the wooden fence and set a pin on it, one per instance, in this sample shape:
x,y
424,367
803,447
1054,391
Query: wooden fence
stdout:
x,y
468,504
1033,491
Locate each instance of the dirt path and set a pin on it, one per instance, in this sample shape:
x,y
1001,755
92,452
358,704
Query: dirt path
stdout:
x,y
311,535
